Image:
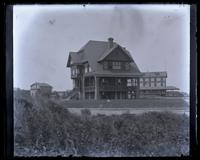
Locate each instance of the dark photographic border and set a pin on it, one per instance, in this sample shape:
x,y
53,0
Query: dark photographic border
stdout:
x,y
7,87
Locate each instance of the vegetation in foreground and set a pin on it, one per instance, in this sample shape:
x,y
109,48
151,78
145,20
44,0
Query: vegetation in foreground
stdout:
x,y
44,128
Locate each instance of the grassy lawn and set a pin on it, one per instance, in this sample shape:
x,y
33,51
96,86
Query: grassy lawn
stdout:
x,y
45,128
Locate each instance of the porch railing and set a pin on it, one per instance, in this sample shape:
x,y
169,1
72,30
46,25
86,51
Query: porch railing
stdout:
x,y
116,88
89,88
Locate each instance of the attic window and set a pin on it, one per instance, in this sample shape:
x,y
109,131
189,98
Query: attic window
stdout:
x,y
116,65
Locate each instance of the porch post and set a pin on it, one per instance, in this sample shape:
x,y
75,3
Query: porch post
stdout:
x,y
83,86
96,88
138,88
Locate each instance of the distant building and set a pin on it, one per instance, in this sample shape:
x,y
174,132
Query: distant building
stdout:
x,y
60,94
176,93
41,89
153,83
106,70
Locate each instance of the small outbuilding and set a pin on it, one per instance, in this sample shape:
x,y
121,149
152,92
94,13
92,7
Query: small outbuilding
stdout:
x,y
43,89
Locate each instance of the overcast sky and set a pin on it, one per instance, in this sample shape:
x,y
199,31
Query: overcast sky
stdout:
x,y
157,36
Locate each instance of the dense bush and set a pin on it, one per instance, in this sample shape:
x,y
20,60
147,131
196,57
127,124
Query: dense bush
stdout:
x,y
43,127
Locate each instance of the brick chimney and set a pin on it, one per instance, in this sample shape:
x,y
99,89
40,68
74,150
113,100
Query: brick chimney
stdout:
x,y
110,42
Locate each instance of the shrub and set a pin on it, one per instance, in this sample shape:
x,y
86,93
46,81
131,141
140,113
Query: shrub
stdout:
x,y
49,128
85,112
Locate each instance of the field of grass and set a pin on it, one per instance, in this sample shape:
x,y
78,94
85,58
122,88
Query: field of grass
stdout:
x,y
43,127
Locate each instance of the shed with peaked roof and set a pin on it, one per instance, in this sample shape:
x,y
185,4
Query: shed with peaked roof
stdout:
x,y
41,89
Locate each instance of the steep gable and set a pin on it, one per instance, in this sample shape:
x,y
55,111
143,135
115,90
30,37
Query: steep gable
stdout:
x,y
117,54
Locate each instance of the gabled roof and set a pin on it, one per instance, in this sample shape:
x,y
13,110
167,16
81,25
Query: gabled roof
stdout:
x,y
95,51
73,57
41,84
154,74
109,50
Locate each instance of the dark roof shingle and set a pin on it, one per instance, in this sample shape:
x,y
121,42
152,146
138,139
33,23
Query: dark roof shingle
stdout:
x,y
93,51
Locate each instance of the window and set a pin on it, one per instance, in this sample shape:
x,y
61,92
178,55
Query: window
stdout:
x,y
131,82
155,82
74,71
102,80
146,84
77,71
164,82
118,81
88,68
158,84
131,94
161,81
158,79
116,65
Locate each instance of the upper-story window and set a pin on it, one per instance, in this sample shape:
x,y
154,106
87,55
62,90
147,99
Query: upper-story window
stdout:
x,y
158,79
74,70
141,81
163,81
131,82
88,68
116,65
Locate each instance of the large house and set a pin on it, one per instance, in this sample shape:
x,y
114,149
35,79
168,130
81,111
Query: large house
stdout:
x,y
43,89
106,70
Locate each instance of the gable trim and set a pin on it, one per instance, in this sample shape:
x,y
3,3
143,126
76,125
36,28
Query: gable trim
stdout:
x,y
110,51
